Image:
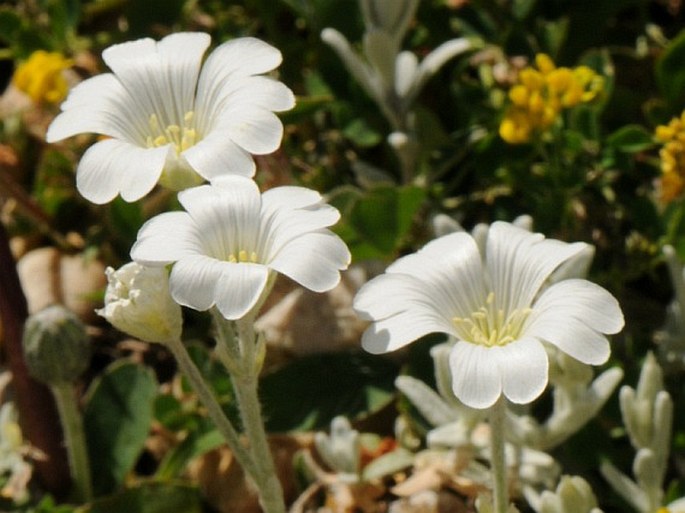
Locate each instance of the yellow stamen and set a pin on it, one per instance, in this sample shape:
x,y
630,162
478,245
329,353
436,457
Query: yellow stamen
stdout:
x,y
491,326
243,257
181,137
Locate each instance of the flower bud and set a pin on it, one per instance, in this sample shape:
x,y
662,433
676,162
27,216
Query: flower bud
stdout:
x,y
56,346
573,495
138,302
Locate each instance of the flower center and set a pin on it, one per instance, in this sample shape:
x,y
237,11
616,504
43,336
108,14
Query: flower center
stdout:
x,y
490,326
182,137
243,257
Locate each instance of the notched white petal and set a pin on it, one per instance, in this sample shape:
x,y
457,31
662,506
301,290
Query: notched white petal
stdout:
x,y
524,367
239,288
476,375
314,260
112,167
166,238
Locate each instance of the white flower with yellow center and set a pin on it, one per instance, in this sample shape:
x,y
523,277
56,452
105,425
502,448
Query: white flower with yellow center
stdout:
x,y
137,302
169,118
231,240
498,306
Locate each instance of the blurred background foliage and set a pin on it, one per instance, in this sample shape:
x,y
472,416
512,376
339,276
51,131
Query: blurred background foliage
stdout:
x,y
594,177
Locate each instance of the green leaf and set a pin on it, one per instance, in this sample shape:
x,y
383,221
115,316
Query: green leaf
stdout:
x,y
194,445
10,24
308,393
521,8
360,133
142,16
670,72
117,421
150,497
378,220
631,139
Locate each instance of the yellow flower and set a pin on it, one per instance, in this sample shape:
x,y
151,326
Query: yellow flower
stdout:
x,y
672,158
542,94
41,76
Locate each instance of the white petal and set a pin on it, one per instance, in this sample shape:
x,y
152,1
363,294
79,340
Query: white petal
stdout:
x,y
239,288
290,196
476,375
259,131
398,331
112,167
314,260
100,105
570,335
241,57
226,215
228,64
193,281
252,92
451,268
161,77
166,238
217,155
390,294
519,262
261,92
280,225
583,301
524,366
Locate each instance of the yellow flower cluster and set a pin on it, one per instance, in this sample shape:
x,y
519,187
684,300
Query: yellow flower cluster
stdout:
x,y
672,155
41,76
541,94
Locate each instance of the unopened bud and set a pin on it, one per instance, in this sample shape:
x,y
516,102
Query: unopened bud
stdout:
x,y
56,346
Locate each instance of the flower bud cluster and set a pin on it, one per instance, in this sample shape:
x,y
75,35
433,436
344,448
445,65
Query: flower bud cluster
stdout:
x,y
542,93
672,157
391,77
647,414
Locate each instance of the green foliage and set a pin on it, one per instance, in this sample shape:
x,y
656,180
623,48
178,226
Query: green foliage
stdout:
x,y
150,497
309,392
377,223
670,74
117,421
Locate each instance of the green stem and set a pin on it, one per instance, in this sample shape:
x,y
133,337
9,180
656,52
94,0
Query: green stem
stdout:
x,y
216,413
498,461
75,440
265,477
243,345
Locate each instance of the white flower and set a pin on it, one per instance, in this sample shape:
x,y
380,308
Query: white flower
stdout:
x,y
166,116
137,302
496,308
231,239
677,506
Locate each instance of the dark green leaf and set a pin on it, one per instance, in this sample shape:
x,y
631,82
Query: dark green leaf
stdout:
x,y
378,220
360,133
150,498
631,139
670,72
10,24
194,445
117,421
311,391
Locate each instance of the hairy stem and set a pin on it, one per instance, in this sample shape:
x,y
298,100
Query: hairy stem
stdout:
x,y
499,466
75,440
216,413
